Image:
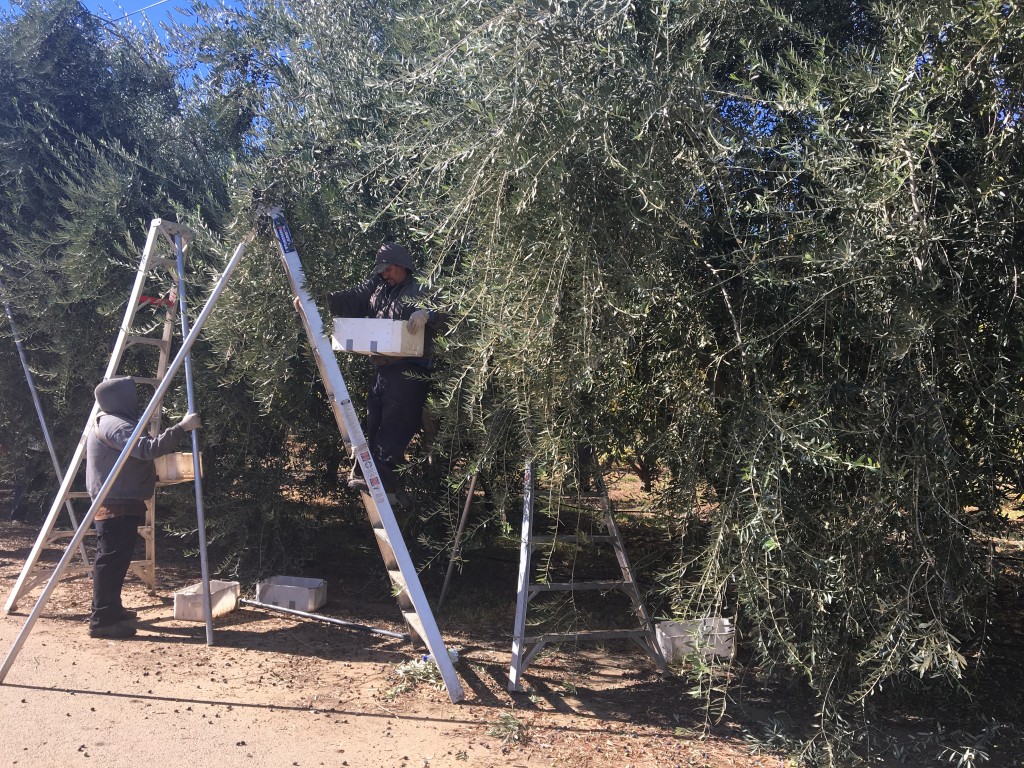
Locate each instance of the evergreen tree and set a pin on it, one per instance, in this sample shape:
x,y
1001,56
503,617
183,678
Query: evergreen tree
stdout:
x,y
94,143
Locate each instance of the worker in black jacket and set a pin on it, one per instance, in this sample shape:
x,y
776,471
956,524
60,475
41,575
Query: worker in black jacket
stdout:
x,y
394,412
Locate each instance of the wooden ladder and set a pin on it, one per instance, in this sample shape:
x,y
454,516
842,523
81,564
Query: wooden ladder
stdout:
x,y
155,290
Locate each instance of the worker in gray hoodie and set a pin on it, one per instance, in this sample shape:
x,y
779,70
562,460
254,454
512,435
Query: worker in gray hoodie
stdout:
x,y
123,511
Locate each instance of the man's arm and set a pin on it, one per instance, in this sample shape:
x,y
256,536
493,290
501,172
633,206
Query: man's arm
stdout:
x,y
354,302
148,448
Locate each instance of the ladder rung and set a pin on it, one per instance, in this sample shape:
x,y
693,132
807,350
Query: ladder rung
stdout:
x,y
168,264
151,382
415,624
577,586
78,494
590,634
44,572
174,228
150,340
384,543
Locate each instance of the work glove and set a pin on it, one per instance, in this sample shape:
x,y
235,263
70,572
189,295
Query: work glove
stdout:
x,y
418,319
190,422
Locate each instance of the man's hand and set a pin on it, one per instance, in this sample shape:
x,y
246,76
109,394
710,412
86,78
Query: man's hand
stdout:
x,y
417,320
190,422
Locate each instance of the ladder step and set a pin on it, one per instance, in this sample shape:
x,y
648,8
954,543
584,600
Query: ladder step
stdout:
x,y
43,573
169,264
590,634
57,534
396,578
144,380
578,586
384,543
78,495
415,624
172,228
148,340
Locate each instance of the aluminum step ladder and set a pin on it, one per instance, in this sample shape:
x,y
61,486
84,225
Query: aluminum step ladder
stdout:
x,y
404,579
526,647
142,331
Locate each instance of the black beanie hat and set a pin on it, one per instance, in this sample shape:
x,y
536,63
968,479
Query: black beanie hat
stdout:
x,y
393,253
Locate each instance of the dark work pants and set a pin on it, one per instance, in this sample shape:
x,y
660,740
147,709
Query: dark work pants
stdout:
x,y
115,545
394,414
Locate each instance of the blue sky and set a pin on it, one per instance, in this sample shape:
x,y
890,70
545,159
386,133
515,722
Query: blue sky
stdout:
x,y
129,11
137,11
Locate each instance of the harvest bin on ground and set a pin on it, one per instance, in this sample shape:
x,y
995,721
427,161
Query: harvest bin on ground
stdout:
x,y
293,592
708,637
188,602
370,336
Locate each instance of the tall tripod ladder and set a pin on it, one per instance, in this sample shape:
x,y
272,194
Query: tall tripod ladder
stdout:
x,y
405,581
526,647
151,409
155,266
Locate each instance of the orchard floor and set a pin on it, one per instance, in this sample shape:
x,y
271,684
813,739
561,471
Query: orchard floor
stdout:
x,y
277,691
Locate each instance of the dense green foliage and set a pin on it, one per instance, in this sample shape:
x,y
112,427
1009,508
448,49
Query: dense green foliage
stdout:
x,y
765,252
93,143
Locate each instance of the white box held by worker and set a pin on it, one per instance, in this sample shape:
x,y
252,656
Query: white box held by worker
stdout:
x,y
188,602
370,336
175,468
708,637
294,592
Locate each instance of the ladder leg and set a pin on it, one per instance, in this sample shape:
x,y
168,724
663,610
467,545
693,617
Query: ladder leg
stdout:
x,y
146,568
520,655
39,413
628,576
457,544
204,566
23,583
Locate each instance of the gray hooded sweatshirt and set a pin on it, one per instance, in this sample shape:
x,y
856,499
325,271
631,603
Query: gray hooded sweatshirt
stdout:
x,y
119,414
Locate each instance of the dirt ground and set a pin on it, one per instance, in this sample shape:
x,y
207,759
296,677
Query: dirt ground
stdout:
x,y
278,691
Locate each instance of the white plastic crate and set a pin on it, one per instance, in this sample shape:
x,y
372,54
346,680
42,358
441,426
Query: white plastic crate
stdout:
x,y
188,602
709,637
173,468
294,592
371,336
